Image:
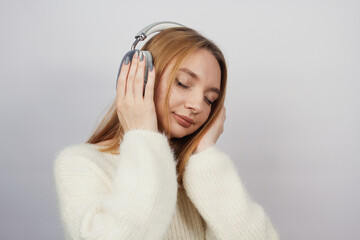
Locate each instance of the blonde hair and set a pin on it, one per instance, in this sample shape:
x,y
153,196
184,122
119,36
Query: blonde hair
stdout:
x,y
173,43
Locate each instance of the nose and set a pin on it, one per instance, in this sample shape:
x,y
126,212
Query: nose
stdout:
x,y
194,103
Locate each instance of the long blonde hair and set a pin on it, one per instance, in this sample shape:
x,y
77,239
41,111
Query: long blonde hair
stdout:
x,y
173,43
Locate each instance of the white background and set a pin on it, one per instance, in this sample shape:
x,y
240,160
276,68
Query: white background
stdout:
x,y
293,107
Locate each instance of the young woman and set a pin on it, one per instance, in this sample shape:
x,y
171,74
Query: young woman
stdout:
x,y
151,170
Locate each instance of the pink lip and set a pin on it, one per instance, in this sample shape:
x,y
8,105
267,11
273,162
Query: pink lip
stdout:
x,y
182,121
186,118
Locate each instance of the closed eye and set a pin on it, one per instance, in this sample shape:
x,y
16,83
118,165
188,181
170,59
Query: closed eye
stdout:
x,y
184,86
181,85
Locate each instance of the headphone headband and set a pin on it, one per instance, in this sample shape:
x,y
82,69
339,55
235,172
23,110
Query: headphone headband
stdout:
x,y
153,28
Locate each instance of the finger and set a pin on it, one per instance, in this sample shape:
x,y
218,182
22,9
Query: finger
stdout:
x,y
132,73
149,89
121,84
139,78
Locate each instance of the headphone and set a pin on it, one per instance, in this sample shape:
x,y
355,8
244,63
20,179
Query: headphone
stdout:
x,y
141,36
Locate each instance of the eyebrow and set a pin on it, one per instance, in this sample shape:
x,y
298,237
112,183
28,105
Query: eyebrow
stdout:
x,y
196,77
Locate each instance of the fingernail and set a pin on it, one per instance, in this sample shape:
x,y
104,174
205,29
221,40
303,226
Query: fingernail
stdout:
x,y
151,68
127,60
141,56
136,55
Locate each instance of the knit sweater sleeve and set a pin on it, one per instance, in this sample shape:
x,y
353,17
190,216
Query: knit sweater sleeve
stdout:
x,y
138,204
213,185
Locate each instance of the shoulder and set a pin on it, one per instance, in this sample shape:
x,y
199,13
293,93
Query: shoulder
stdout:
x,y
79,155
77,150
81,168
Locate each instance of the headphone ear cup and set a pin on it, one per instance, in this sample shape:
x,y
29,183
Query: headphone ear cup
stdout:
x,y
149,65
129,54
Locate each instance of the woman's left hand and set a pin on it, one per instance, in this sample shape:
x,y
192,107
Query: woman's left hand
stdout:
x,y
212,135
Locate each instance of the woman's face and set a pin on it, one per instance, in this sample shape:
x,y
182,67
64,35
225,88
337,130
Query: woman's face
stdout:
x,y
197,84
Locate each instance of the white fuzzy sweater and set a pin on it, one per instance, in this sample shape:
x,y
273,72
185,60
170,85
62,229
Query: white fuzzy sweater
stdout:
x,y
135,195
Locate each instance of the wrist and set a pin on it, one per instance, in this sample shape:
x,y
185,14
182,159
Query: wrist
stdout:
x,y
202,147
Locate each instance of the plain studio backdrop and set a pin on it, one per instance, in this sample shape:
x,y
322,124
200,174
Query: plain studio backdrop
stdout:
x,y
292,125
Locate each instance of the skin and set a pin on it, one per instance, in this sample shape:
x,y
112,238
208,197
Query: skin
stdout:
x,y
135,111
191,99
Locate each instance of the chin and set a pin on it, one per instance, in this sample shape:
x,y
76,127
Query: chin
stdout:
x,y
177,135
175,132
178,131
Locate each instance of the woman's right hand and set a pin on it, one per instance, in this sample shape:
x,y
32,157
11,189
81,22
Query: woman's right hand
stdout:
x,y
134,110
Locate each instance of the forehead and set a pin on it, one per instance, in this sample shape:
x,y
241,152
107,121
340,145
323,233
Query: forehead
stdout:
x,y
204,65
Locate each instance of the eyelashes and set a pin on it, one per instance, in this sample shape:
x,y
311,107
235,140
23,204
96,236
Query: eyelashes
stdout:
x,y
186,87
181,85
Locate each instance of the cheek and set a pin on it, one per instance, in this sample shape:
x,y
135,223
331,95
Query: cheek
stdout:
x,y
175,98
204,116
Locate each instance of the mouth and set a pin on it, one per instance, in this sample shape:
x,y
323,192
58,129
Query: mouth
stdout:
x,y
182,121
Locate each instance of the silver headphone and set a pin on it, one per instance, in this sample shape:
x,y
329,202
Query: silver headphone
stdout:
x,y
141,36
